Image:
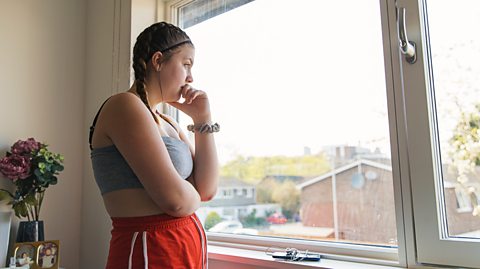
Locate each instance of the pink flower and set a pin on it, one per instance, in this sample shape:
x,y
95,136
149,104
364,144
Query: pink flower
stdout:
x,y
25,147
15,167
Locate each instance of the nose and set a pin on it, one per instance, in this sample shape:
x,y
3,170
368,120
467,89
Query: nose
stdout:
x,y
189,78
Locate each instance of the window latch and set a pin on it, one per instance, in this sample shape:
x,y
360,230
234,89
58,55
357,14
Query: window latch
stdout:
x,y
408,48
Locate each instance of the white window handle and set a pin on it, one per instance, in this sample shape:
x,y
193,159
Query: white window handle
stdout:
x,y
408,48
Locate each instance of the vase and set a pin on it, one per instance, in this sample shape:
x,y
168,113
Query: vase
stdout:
x,y
30,231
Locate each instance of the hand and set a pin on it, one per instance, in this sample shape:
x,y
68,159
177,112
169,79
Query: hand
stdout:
x,y
196,104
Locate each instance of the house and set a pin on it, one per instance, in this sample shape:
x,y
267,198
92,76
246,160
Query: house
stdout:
x,y
363,202
235,199
362,208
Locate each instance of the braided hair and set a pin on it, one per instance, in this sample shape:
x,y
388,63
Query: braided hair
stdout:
x,y
162,36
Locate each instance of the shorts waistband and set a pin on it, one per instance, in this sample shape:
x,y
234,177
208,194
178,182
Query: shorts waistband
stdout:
x,y
162,221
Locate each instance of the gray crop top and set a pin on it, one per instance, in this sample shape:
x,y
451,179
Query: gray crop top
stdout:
x,y
112,171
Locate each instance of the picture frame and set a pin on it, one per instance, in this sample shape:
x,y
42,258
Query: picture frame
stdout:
x,y
37,255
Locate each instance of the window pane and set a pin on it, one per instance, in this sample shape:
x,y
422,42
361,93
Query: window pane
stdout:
x,y
301,99
455,47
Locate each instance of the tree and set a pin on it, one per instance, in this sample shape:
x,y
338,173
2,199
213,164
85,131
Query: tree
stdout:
x,y
265,190
254,169
212,219
288,196
465,153
251,220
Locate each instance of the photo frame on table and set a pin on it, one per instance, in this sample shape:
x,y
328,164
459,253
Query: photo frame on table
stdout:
x,y
37,255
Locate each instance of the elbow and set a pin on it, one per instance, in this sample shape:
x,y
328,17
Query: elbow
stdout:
x,y
182,207
207,196
181,211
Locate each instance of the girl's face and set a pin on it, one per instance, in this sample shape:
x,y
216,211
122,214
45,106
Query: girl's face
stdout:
x,y
176,72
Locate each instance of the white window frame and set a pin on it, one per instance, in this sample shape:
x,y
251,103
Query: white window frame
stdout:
x,y
413,165
431,241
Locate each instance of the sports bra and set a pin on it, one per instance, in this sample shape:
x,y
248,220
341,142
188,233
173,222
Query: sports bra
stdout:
x,y
112,172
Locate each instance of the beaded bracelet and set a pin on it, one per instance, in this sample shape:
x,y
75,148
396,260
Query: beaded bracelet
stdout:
x,y
204,128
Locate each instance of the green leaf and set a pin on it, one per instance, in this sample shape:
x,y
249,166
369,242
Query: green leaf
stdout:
x,y
37,173
58,167
30,199
5,195
21,210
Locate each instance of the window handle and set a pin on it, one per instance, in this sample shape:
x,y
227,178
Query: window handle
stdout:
x,y
408,48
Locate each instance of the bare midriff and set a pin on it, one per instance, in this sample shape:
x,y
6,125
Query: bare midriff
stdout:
x,y
130,203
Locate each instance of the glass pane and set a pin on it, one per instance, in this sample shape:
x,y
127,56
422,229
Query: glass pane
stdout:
x,y
304,141
455,47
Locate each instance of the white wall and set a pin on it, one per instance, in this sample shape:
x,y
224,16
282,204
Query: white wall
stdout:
x,y
104,22
42,63
108,56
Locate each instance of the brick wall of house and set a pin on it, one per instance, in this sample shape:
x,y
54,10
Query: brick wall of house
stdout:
x,y
365,214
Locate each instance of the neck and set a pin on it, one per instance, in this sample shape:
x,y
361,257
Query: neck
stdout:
x,y
153,94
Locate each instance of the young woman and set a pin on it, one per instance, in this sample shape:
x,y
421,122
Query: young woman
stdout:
x,y
151,179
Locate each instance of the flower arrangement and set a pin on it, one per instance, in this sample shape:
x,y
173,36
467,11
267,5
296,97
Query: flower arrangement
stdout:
x,y
32,168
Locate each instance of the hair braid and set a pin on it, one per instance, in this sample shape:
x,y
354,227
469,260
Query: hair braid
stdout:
x,y
140,68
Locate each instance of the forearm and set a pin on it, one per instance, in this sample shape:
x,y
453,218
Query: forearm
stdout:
x,y
206,166
185,203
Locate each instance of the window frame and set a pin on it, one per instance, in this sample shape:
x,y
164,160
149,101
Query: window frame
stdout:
x,y
423,153
335,250
412,156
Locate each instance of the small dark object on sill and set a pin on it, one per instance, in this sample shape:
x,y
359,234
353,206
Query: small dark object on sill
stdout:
x,y
292,254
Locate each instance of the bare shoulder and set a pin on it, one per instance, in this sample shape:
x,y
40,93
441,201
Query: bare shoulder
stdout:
x,y
122,113
124,101
125,108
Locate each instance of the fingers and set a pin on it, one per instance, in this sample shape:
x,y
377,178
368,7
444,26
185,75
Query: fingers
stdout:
x,y
177,105
190,94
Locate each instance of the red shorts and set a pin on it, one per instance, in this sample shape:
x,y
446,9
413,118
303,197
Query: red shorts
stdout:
x,y
159,241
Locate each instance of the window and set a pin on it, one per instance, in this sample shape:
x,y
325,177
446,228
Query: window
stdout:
x,y
441,92
293,129
315,104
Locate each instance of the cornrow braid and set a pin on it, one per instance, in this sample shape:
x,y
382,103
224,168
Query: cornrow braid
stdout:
x,y
140,54
163,37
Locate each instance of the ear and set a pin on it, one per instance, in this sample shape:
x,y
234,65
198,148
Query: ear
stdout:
x,y
157,59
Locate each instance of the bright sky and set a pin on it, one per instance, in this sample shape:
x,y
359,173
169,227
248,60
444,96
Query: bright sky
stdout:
x,y
307,74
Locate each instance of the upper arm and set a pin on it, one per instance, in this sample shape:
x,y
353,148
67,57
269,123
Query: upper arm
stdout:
x,y
132,129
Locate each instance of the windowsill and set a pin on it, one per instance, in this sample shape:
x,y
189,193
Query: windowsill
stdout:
x,y
259,258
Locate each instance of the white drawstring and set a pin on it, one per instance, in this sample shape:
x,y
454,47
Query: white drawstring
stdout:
x,y
203,237
134,238
145,256
132,246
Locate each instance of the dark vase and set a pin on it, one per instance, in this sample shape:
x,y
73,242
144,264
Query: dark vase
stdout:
x,y
30,231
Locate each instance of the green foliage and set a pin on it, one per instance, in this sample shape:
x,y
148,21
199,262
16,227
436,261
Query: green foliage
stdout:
x,y
212,219
48,166
265,190
5,195
251,220
465,152
254,169
288,196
